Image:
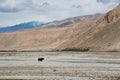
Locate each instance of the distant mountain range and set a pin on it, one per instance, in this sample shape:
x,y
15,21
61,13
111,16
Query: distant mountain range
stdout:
x,y
22,26
54,24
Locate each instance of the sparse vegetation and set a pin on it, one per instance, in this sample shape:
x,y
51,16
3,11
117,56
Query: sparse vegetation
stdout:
x,y
8,50
76,49
112,51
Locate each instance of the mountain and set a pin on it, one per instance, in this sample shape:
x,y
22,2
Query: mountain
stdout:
x,y
103,36
55,24
71,21
47,37
98,34
22,26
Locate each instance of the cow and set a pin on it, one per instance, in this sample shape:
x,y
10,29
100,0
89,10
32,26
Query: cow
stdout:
x,y
40,59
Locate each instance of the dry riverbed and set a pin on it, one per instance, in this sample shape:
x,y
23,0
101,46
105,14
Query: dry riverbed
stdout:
x,y
60,66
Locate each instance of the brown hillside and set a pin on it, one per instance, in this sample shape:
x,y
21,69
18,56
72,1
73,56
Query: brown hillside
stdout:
x,y
97,35
104,36
43,38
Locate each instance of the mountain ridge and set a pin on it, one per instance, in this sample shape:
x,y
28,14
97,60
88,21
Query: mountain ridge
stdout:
x,y
73,20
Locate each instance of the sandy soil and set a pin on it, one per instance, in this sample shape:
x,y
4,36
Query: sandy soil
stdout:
x,y
60,66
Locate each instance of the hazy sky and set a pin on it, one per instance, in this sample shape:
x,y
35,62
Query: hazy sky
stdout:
x,y
19,11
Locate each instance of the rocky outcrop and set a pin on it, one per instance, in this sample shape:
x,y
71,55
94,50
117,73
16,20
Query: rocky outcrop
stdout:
x,y
111,16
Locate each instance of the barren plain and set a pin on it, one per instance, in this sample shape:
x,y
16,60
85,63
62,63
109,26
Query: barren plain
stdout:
x,y
60,66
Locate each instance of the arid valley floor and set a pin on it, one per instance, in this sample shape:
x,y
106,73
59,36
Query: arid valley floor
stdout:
x,y
60,66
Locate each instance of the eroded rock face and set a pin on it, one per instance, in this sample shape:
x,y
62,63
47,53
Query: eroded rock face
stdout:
x,y
111,16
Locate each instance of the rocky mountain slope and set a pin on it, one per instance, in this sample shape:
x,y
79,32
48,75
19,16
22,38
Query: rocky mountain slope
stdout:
x,y
103,36
100,33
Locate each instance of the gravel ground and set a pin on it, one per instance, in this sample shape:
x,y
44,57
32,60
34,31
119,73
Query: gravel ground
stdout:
x,y
60,66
